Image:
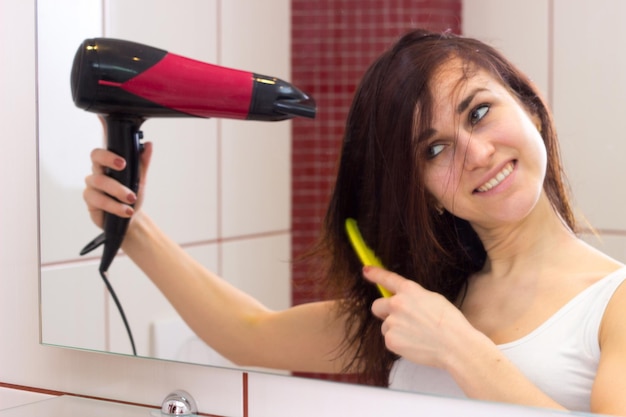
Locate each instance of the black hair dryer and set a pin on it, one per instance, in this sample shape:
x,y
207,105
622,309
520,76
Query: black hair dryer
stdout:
x,y
127,83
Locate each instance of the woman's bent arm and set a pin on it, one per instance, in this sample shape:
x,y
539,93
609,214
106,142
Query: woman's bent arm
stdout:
x,y
306,338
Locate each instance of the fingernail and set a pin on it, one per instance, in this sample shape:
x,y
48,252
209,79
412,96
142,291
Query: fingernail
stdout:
x,y
131,198
118,162
366,269
129,211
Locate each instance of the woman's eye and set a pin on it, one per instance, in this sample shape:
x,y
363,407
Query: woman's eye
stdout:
x,y
478,113
434,150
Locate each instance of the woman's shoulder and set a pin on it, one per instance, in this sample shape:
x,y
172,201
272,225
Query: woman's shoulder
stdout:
x,y
589,264
614,319
610,382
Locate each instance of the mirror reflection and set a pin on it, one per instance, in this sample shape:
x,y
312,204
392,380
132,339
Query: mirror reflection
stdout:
x,y
235,210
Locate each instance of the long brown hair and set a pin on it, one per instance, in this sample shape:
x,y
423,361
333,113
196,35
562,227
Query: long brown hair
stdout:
x,y
380,184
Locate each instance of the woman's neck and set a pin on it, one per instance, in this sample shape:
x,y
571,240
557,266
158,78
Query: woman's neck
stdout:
x,y
523,244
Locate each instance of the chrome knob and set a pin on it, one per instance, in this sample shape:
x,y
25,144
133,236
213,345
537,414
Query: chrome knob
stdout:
x,y
179,403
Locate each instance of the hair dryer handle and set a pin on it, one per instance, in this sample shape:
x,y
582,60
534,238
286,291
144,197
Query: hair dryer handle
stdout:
x,y
124,139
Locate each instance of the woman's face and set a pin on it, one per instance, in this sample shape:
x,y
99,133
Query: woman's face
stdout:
x,y
485,158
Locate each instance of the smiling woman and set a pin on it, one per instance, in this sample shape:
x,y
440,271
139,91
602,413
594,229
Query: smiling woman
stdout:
x,y
455,277
493,131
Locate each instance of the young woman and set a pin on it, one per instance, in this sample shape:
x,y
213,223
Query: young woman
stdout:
x,y
450,166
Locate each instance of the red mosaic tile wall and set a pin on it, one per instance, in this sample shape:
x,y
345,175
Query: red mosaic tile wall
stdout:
x,y
333,42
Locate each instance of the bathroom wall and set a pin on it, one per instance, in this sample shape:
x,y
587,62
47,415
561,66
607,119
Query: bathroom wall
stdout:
x,y
24,362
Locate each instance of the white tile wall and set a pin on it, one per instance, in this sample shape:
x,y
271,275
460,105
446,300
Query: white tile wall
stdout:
x,y
15,397
518,28
68,319
256,161
261,266
188,27
256,36
590,104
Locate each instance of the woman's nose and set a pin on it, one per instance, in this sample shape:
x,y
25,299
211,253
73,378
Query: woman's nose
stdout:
x,y
477,151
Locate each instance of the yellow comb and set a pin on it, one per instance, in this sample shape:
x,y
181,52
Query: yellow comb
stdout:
x,y
365,254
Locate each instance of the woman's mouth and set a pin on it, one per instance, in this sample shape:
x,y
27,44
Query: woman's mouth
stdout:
x,y
500,176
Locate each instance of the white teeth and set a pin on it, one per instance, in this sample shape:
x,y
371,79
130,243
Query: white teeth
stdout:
x,y
497,179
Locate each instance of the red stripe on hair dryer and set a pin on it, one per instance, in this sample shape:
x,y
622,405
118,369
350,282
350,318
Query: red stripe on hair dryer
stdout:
x,y
127,83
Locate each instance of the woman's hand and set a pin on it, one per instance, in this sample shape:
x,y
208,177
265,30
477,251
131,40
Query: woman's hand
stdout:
x,y
419,325
425,328
105,194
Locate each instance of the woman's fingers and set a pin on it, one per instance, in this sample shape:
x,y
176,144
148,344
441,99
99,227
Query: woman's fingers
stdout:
x,y
384,278
102,183
102,159
99,201
105,194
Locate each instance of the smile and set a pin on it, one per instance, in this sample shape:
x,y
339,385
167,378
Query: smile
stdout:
x,y
506,171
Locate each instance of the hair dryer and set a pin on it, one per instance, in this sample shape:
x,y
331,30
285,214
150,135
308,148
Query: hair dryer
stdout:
x,y
127,83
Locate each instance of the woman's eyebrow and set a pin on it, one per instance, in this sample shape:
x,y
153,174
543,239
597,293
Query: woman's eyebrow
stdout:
x,y
466,102
427,134
463,105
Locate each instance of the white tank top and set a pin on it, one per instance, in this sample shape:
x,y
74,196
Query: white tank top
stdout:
x,y
560,356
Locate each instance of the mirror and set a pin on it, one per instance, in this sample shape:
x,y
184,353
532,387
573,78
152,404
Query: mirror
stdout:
x,y
223,188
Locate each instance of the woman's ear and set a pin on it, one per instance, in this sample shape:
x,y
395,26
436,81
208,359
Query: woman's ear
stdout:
x,y
436,206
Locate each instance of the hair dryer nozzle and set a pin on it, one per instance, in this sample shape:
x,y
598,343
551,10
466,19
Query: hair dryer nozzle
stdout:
x,y
303,108
275,99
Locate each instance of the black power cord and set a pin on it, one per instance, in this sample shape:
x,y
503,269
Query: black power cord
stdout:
x,y
103,274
